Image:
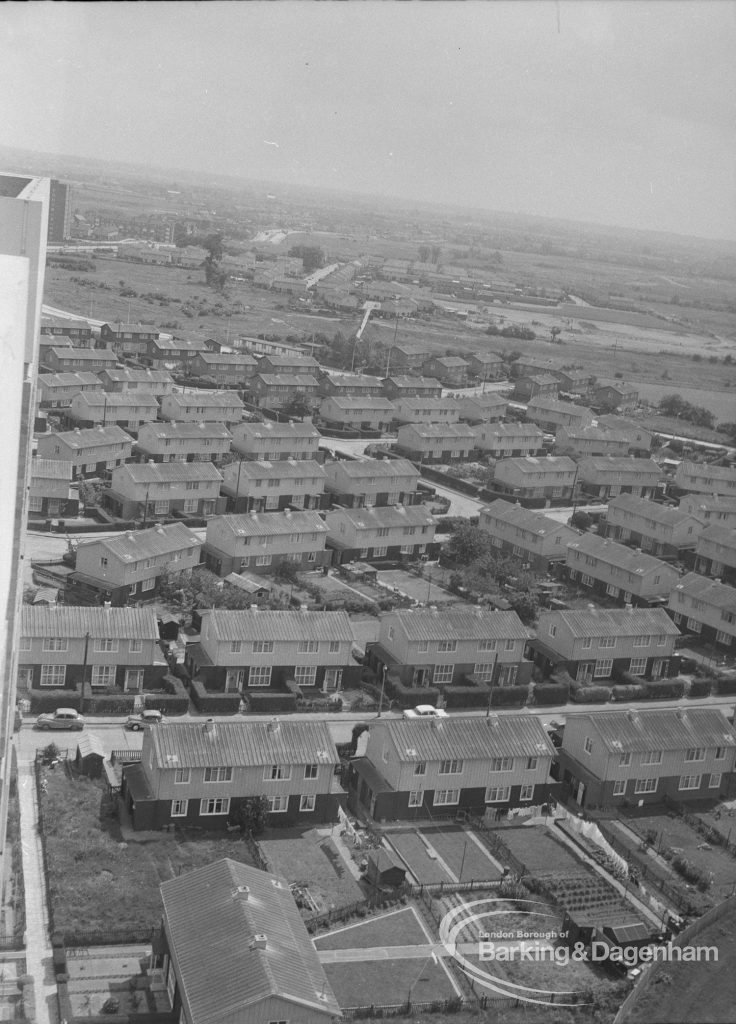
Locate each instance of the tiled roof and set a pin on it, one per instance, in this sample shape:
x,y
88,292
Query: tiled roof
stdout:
x,y
534,464
217,399
75,621
184,429
618,622
285,469
486,357
525,518
89,436
489,398
345,380
543,403
389,515
502,430
540,378
665,515
211,926
167,472
459,624
717,534
131,328
429,430
175,344
673,729
706,470
118,399
470,739
136,376
228,359
361,402
406,381
160,540
449,361
719,595
51,469
85,354
269,429
591,433
424,403
620,555
307,362
260,524
612,464
243,744
67,379
357,470
299,380
257,624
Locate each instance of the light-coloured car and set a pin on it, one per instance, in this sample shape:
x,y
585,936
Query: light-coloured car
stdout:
x,y
62,718
140,721
425,711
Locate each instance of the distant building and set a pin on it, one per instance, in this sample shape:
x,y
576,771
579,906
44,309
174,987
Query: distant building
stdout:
x,y
278,390
270,441
616,397
452,371
592,441
127,339
260,543
611,569
525,534
713,508
78,332
535,384
391,533
486,365
223,367
273,486
708,607
425,410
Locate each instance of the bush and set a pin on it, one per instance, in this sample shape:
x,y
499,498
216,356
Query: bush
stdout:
x,y
213,703
410,696
700,688
268,703
664,689
503,696
633,691
174,702
591,694
46,702
466,696
726,684
110,704
551,693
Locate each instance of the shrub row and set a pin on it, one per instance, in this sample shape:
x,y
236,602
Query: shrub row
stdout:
x,y
466,696
213,703
591,694
47,701
551,693
265,703
410,696
174,702
503,696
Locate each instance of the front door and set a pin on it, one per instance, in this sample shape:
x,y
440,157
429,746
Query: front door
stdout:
x,y
585,671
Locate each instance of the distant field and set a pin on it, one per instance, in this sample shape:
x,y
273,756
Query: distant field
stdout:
x,y
721,404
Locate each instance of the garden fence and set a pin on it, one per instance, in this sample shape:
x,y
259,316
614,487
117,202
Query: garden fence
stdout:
x,y
640,860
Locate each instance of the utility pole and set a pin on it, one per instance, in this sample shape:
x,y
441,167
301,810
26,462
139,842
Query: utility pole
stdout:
x,y
384,669
84,673
145,508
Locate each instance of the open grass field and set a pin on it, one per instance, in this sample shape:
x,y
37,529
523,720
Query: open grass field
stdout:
x,y
536,847
313,861
397,928
98,882
676,834
389,982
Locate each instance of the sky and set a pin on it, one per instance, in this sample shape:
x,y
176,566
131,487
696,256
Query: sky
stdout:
x,y
619,113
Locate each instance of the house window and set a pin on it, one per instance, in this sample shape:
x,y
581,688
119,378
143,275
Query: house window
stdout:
x,y
442,797
390,632
190,505
277,772
661,640
416,797
310,771
603,668
308,646
646,786
332,680
215,805
52,675
484,671
531,764
182,776
638,666
259,675
720,753
689,782
588,745
587,581
307,802
553,630
498,794
486,645
641,641
510,645
714,780
624,760
502,764
453,767
423,646
607,641
587,643
526,792
160,508
443,674
420,768
263,646
221,773
35,504
695,754
619,787
179,808
612,590
133,680
25,643
305,675
652,757
263,560
55,643
278,804
722,638
135,646
236,646
234,679
380,552
694,626
334,646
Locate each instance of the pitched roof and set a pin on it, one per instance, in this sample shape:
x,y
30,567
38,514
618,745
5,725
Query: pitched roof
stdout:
x,y
361,402
308,362
665,515
459,430
184,429
212,915
218,399
270,429
227,358
243,744
540,378
510,430
706,469
449,361
459,624
249,584
613,464
526,518
89,436
299,380
175,344
69,378
85,354
470,739
712,592
131,328
534,464
137,376
51,469
260,624
75,621
284,469
620,555
543,403
260,524
717,534
386,515
117,399
358,469
167,472
660,729
618,622
405,381
160,540
345,380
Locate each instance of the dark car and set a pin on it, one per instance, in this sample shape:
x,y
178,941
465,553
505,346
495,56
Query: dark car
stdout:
x,y
137,722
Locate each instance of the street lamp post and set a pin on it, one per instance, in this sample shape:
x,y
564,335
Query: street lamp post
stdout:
x,y
84,673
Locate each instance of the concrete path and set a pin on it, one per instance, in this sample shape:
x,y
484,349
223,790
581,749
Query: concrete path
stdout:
x,y
38,944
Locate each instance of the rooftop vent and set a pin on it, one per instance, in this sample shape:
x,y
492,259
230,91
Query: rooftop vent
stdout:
x,y
274,725
210,727
241,892
258,941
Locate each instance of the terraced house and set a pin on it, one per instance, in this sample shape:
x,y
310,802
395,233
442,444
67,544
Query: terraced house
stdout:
x,y
150,490
636,758
270,441
93,452
700,605
435,442
428,648
429,768
508,440
127,567
358,412
273,486
390,533
372,482
704,478
145,382
523,533
56,390
260,542
611,569
550,414
127,409
242,651
532,477
599,644
107,648
202,407
715,552
182,442
660,529
425,410
193,773
606,477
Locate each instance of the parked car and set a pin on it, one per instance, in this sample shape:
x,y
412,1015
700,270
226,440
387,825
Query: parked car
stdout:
x,y
425,711
62,718
140,721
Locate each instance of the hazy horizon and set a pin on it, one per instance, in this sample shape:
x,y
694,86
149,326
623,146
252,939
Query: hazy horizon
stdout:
x,y
610,114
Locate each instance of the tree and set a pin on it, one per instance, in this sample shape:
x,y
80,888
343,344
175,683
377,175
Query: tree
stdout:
x,y
467,544
251,815
728,428
554,334
311,256
424,253
298,406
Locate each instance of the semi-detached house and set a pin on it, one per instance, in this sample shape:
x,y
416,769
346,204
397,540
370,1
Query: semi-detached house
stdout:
x,y
358,412
127,567
532,477
273,486
342,385
77,360
260,542
128,378
224,367
148,490
633,758
704,478
182,442
435,442
257,650
93,452
56,390
277,390
376,482
551,414
393,533
525,534
592,441
604,478
202,407
127,409
484,408
700,605
508,440
429,768
715,552
50,492
127,339
425,410
270,441
411,387
167,353
199,774
660,529
712,508
614,570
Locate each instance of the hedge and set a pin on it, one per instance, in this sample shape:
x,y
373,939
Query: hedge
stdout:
x,y
591,694
561,676
174,702
664,689
505,695
727,684
410,696
47,701
551,693
631,691
264,703
466,696
110,704
700,688
213,703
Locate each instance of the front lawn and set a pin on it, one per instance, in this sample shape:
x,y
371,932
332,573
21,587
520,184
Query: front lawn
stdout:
x,y
97,882
389,982
397,928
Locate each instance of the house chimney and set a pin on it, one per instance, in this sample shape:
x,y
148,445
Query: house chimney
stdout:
x,y
210,727
129,535
242,892
274,725
258,942
629,607
107,605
